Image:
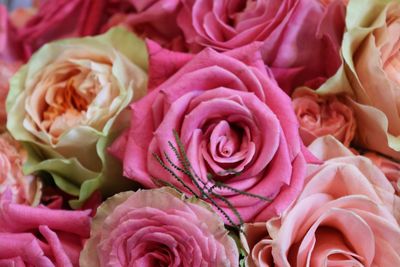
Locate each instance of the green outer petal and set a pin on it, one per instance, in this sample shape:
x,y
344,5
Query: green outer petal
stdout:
x,y
79,163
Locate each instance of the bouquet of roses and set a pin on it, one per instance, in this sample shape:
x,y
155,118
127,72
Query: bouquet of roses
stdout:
x,y
200,133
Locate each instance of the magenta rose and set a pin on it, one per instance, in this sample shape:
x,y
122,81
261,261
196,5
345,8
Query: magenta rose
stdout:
x,y
296,34
158,228
154,19
39,236
236,126
10,48
58,19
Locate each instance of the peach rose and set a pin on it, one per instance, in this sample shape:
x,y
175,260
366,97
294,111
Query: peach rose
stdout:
x,y
345,216
371,52
323,115
25,189
69,102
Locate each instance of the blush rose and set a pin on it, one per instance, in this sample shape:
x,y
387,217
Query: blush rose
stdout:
x,y
346,215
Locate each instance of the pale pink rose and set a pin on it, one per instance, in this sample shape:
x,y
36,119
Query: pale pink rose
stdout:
x,y
345,216
236,125
6,72
25,189
296,34
38,236
390,168
154,19
323,115
10,46
158,228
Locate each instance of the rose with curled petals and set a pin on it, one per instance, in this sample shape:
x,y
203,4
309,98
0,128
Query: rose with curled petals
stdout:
x,y
158,228
372,54
345,216
38,236
323,115
69,102
295,33
235,124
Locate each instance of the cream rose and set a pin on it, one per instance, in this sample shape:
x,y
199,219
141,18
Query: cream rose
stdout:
x,y
372,54
70,101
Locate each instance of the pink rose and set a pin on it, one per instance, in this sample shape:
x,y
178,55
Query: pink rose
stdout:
x,y
59,19
296,34
345,216
40,236
7,70
236,125
323,115
390,168
10,47
158,228
154,19
25,189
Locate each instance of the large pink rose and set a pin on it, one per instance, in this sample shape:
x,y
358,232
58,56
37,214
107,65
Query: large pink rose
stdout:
x,y
323,115
345,216
296,34
154,19
236,125
158,228
58,19
40,236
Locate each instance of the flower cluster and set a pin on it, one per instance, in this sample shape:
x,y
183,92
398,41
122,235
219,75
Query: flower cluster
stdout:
x,y
200,133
